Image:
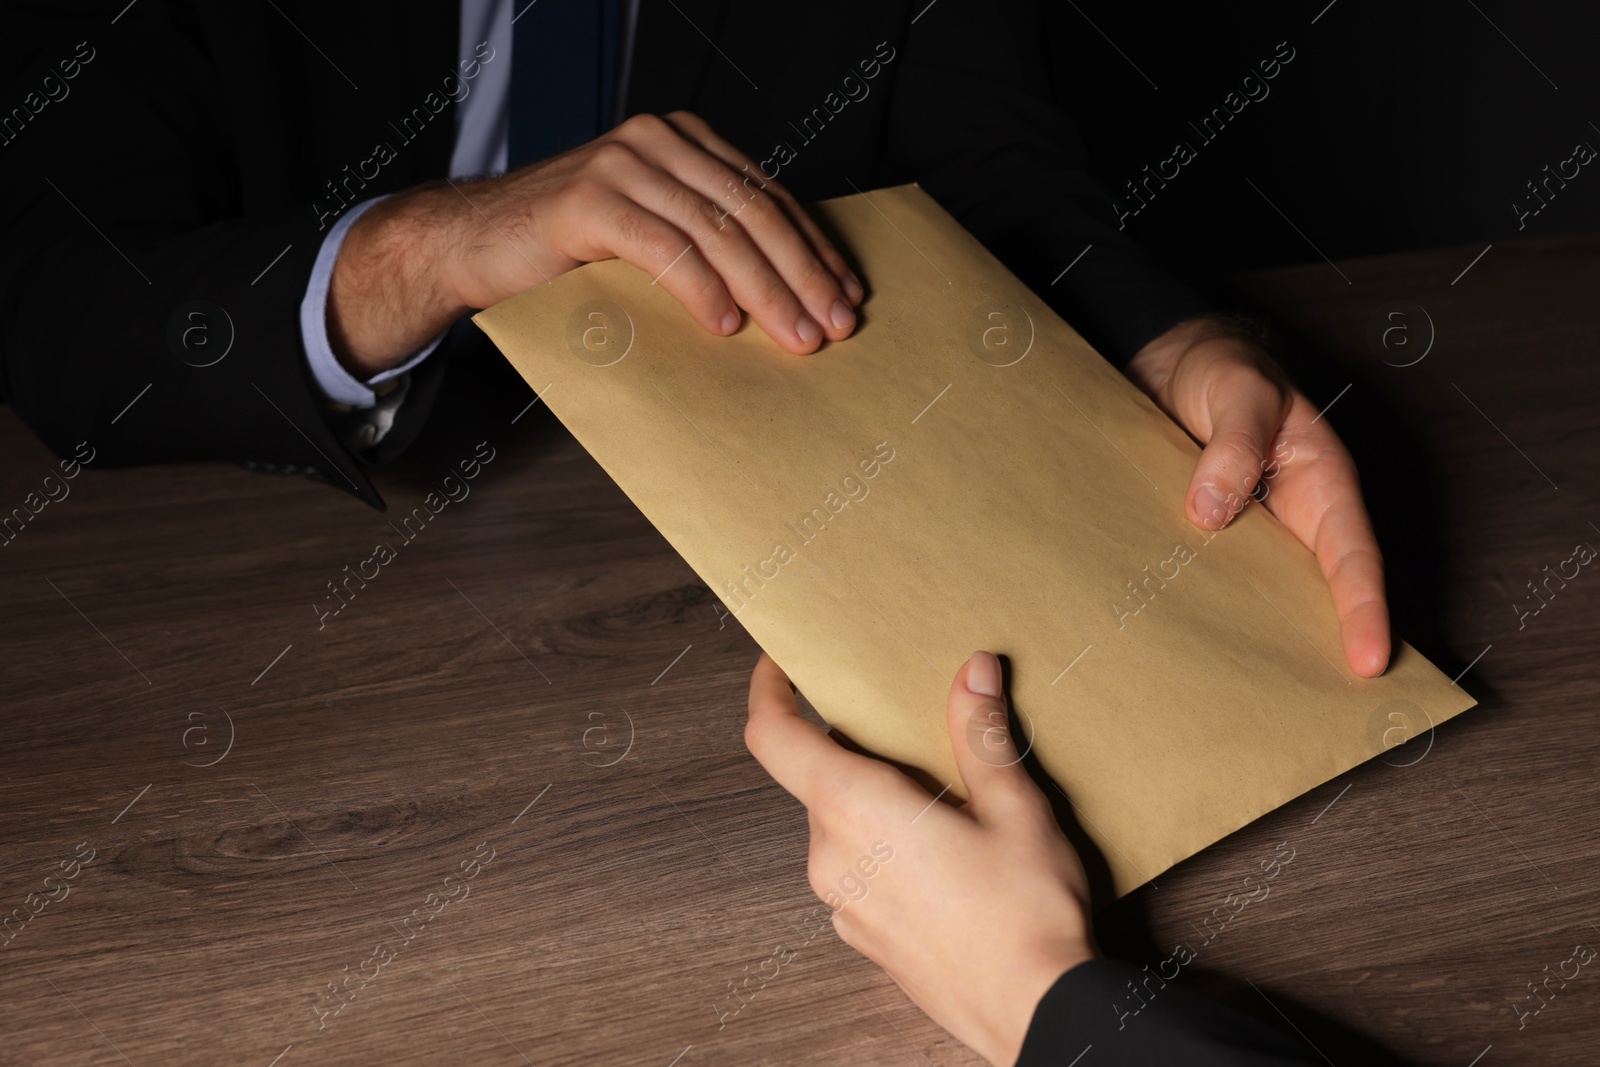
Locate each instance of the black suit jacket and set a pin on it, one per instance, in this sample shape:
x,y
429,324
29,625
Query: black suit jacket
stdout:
x,y
1106,1013
175,189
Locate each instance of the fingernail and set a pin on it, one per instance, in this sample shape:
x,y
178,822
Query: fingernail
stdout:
x,y
730,322
983,674
852,289
807,330
843,318
1212,507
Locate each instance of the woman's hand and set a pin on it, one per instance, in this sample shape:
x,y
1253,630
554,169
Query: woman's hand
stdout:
x,y
1229,394
978,908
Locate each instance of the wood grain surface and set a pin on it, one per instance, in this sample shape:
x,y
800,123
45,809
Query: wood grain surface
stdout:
x,y
513,759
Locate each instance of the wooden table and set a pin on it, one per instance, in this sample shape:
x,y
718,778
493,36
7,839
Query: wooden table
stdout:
x,y
514,757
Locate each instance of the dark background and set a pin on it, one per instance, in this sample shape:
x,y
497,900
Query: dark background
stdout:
x,y
1397,126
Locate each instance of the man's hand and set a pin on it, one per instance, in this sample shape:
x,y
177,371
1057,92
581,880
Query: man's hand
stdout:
x,y
979,907
666,194
1229,394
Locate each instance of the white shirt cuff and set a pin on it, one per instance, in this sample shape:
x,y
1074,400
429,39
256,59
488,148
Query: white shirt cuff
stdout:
x,y
338,384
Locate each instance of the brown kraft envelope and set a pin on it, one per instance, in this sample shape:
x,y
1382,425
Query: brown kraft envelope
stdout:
x,y
965,472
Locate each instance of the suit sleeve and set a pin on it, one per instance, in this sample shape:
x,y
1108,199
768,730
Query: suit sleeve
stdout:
x,y
973,120
1092,1012
146,311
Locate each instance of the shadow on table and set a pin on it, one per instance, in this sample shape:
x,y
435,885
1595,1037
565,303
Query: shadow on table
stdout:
x,y
1331,1039
479,398
1123,931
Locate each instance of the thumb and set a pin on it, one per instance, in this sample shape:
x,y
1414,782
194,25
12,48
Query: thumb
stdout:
x,y
1247,410
986,753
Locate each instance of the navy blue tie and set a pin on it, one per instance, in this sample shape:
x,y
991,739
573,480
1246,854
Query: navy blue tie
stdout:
x,y
563,75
